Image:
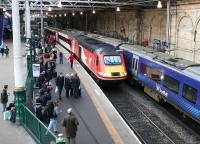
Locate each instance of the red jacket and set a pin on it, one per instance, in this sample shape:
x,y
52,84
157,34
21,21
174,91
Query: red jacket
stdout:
x,y
71,58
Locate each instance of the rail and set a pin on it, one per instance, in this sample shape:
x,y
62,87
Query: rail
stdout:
x,y
35,127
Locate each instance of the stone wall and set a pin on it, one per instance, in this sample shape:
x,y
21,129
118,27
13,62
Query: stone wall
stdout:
x,y
185,31
150,24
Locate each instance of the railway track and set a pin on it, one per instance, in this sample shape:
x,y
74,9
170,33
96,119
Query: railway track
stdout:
x,y
147,125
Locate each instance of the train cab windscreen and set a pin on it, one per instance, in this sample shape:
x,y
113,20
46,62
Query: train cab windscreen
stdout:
x,y
112,60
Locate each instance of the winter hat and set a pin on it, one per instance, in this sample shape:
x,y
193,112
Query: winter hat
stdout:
x,y
69,110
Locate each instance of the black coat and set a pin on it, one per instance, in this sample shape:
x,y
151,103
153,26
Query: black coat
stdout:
x,y
60,81
4,96
67,83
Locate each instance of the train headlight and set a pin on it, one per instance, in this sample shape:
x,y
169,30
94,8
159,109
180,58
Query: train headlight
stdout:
x,y
103,73
124,73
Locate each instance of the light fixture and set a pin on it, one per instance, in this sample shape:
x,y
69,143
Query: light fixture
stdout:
x,y
65,14
55,15
49,9
93,11
4,9
81,13
59,4
118,9
159,4
73,14
47,13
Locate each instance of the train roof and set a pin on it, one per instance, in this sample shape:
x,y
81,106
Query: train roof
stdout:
x,y
91,44
188,67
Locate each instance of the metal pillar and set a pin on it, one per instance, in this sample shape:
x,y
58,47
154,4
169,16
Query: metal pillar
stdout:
x,y
19,90
168,24
86,22
42,25
28,23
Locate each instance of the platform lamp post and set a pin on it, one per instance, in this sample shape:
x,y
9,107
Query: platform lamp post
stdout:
x,y
42,24
19,91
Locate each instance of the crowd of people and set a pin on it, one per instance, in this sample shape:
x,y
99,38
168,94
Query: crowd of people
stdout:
x,y
46,102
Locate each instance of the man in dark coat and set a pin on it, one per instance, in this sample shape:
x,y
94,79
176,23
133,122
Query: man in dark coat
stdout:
x,y
61,57
67,85
76,85
4,97
41,79
60,84
70,123
72,84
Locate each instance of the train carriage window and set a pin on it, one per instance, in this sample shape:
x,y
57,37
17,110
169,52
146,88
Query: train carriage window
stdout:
x,y
97,60
143,69
136,64
133,64
171,83
190,93
152,73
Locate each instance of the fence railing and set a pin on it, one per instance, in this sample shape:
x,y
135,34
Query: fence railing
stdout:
x,y
35,127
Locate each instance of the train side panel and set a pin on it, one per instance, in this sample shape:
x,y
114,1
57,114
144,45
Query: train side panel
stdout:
x,y
169,85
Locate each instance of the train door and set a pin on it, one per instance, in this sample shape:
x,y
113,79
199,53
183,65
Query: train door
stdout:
x,y
135,65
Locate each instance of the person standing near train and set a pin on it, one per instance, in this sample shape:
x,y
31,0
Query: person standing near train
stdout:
x,y
61,57
67,85
71,60
60,84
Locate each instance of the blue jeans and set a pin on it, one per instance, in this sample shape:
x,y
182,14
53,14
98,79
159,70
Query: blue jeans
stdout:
x,y
4,107
52,125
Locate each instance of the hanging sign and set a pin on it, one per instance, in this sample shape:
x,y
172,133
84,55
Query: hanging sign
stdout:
x,y
36,70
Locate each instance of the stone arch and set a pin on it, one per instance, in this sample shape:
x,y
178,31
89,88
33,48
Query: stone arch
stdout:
x,y
185,38
197,41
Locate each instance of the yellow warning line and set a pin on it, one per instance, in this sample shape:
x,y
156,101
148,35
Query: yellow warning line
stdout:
x,y
108,124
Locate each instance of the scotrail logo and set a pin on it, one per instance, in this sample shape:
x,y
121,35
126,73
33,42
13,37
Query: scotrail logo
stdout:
x,y
158,88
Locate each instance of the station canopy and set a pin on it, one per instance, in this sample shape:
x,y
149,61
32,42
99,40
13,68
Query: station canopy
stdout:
x,y
88,5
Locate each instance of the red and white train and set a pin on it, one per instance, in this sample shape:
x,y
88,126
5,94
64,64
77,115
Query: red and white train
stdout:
x,y
103,60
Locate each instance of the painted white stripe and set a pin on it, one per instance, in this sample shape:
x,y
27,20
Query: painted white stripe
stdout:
x,y
97,92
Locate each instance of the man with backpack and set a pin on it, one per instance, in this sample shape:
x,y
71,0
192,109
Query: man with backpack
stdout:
x,y
4,97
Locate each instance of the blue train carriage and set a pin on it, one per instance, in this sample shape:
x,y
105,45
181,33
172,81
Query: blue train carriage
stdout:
x,y
166,78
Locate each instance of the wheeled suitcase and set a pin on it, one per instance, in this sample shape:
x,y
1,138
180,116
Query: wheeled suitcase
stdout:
x,y
77,93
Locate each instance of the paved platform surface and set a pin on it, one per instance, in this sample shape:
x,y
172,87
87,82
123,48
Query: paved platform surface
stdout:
x,y
11,133
91,129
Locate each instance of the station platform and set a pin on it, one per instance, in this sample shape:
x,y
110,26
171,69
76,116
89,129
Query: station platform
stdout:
x,y
99,122
91,129
11,133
